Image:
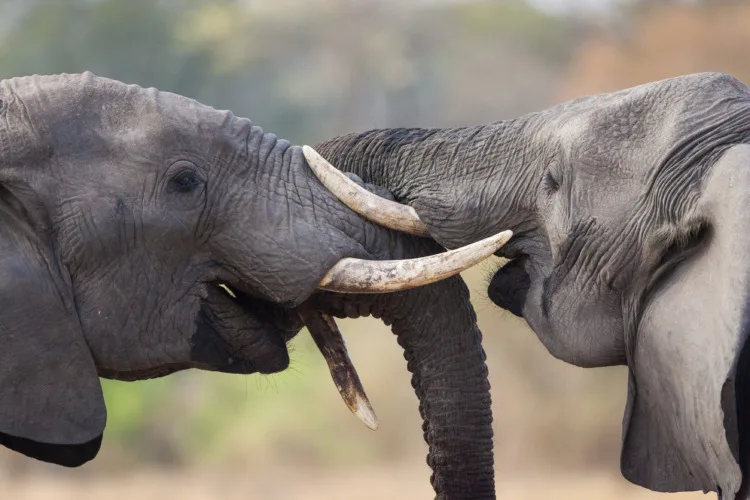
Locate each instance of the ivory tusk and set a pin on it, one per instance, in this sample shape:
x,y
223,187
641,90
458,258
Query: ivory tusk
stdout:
x,y
377,276
372,207
329,340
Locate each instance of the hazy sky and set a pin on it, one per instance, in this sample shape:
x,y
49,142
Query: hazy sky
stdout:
x,y
562,5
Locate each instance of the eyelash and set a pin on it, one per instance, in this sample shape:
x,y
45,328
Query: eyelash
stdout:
x,y
185,182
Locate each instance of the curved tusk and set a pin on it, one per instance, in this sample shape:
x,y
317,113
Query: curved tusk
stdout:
x,y
372,207
330,342
378,276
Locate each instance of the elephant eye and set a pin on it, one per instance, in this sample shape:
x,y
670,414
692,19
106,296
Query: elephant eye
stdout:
x,y
550,183
185,181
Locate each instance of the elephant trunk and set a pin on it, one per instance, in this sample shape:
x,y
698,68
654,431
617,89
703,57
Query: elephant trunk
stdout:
x,y
444,354
488,168
436,326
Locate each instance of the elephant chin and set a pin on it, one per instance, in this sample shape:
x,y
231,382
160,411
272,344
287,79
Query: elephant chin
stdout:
x,y
234,333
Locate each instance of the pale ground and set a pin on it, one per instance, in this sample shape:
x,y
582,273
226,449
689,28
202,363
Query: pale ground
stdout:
x,y
394,483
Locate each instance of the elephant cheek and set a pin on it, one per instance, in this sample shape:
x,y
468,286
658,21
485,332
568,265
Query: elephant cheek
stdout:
x,y
123,355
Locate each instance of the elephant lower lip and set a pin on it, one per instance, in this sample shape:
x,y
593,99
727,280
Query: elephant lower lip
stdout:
x,y
243,367
280,317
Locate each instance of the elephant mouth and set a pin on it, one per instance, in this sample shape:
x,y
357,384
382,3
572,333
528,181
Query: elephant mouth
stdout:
x,y
283,321
510,285
238,333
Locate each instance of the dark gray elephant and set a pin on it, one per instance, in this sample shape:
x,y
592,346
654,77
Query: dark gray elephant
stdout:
x,y
631,246
125,211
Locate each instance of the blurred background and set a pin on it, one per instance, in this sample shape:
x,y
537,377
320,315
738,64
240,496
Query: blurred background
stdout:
x,y
309,70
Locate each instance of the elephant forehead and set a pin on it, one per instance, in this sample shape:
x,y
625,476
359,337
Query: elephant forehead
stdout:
x,y
642,152
636,128
71,112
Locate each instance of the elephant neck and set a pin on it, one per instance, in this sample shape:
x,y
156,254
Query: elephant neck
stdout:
x,y
465,183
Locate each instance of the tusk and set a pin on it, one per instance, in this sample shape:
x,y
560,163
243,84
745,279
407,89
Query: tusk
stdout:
x,y
329,340
377,276
372,207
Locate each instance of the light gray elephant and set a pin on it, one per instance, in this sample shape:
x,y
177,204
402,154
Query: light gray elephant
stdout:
x,y
631,246
143,233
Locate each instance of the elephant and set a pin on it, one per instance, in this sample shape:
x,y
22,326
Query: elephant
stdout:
x,y
145,233
630,212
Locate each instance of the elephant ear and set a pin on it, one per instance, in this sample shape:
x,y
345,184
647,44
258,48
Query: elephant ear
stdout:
x,y
51,403
687,422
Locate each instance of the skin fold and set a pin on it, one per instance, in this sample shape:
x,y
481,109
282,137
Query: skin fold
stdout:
x,y
630,216
123,212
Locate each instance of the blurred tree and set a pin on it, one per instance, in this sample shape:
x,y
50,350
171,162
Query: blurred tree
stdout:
x,y
306,69
130,41
664,40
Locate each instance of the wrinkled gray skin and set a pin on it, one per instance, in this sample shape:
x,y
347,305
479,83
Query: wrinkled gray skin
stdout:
x,y
122,209
631,213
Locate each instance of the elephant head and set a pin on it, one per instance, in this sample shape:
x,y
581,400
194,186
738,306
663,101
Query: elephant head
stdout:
x,y
144,233
630,213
